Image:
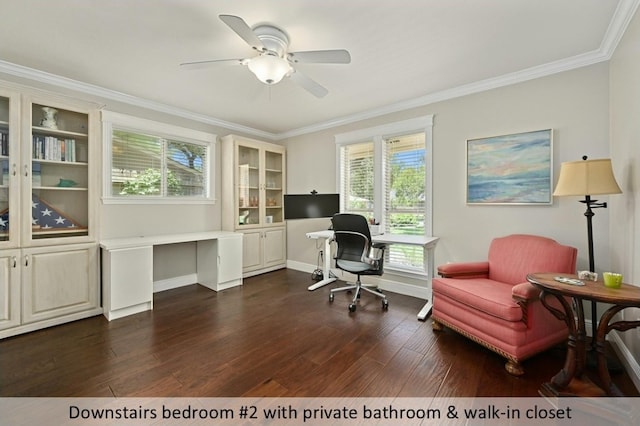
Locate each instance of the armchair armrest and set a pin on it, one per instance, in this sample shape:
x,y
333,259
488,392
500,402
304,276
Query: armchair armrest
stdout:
x,y
525,292
464,270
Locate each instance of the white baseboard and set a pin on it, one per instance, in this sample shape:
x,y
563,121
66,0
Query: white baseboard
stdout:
x,y
626,357
175,282
387,283
300,266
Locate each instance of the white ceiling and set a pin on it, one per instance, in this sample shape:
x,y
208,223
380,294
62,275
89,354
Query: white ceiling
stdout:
x,y
404,52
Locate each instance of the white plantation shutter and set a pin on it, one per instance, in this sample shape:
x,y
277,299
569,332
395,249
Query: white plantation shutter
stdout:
x,y
356,178
404,192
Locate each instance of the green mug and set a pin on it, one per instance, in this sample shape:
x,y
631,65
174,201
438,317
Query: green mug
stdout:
x,y
612,280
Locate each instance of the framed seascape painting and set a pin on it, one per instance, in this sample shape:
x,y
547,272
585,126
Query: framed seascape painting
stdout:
x,y
511,169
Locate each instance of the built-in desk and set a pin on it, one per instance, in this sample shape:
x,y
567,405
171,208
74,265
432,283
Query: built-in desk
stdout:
x,y
127,267
429,244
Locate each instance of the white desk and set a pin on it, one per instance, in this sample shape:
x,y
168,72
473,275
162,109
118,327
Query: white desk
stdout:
x,y
127,267
429,244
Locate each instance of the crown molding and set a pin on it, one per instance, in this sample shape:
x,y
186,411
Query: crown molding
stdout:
x,y
456,92
44,77
617,26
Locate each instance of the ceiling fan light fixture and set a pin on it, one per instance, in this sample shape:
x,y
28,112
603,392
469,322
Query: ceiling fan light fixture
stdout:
x,y
269,69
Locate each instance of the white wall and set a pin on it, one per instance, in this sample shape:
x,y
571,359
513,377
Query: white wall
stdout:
x,y
625,151
574,103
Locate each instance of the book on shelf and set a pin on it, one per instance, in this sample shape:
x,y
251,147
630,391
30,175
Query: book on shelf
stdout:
x,y
52,148
36,176
4,142
5,172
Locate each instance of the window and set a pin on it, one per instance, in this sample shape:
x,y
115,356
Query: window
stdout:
x,y
384,174
404,195
356,189
149,161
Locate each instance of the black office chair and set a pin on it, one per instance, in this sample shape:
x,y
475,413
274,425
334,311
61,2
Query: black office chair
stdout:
x,y
357,254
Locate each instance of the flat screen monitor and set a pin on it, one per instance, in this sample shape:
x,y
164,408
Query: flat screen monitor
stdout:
x,y
309,206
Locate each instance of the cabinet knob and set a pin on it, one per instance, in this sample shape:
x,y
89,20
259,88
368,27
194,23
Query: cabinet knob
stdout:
x,y
26,260
15,261
15,169
26,170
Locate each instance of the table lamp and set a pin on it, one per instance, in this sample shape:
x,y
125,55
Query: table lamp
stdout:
x,y
587,178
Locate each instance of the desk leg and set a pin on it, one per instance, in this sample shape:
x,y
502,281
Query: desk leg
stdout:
x,y
321,284
326,267
429,261
425,311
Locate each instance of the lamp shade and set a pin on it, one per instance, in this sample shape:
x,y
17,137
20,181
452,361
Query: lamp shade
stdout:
x,y
587,177
269,69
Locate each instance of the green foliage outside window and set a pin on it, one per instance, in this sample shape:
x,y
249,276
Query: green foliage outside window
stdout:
x,y
149,183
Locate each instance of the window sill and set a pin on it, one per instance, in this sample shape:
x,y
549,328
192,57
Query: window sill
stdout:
x,y
405,272
157,200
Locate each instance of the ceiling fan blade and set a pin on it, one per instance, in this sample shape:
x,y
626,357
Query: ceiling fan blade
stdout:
x,y
340,56
308,84
205,64
241,28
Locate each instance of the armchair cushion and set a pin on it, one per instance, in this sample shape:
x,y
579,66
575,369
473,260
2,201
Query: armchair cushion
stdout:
x,y
481,294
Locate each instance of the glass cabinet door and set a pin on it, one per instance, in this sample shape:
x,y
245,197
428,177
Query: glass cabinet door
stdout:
x,y
249,194
59,161
274,184
6,166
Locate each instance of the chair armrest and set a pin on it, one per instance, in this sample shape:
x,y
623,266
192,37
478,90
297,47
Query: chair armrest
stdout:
x,y
375,253
525,292
464,270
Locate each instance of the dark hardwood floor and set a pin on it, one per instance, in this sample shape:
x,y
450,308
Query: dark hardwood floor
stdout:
x,y
270,337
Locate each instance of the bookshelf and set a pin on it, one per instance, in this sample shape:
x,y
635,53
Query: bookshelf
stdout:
x,y
49,268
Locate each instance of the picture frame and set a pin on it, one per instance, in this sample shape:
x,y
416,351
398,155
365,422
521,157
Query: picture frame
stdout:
x,y
513,169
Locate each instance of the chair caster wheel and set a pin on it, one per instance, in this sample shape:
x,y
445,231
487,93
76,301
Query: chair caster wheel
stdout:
x,y
331,297
352,307
385,305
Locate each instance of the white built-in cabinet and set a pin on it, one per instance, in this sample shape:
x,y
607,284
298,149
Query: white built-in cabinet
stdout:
x,y
253,187
9,289
48,252
127,267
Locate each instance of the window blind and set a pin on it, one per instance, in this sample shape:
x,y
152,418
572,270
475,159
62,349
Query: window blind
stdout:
x,y
357,178
404,183
152,166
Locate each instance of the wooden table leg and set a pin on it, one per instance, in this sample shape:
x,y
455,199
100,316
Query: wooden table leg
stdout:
x,y
603,329
575,344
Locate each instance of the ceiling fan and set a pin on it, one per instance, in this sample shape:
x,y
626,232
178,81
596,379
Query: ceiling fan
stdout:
x,y
274,61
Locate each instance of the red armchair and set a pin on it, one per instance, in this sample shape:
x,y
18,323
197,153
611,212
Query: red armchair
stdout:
x,y
492,303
